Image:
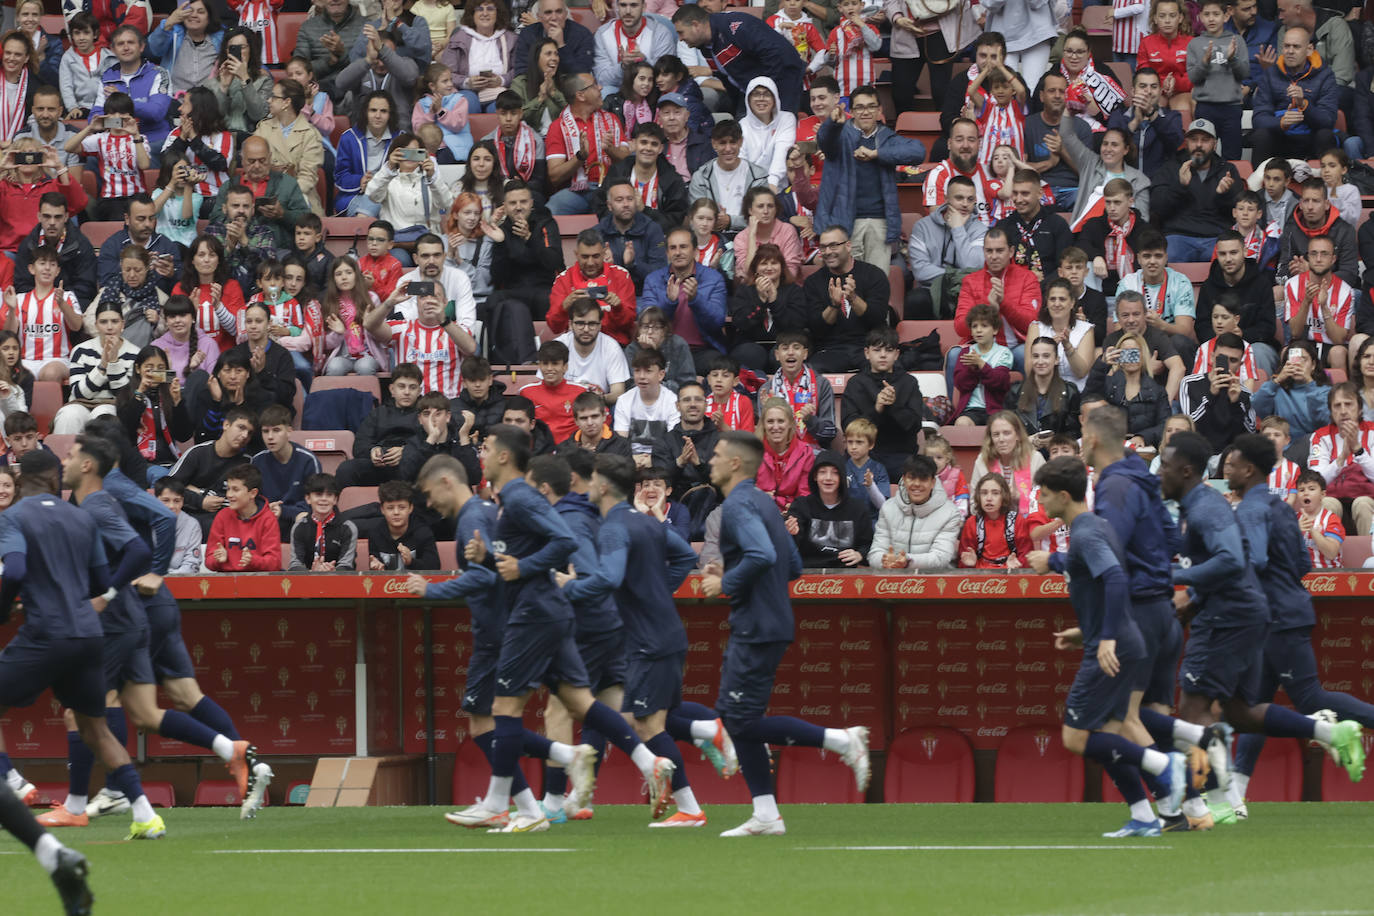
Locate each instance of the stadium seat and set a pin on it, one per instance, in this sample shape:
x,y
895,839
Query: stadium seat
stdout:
x,y
932,384
481,124
1195,271
59,444
332,446
160,794
908,222
297,792
585,17
965,436
54,25
808,776
756,11
353,497
570,226
448,554
913,330
366,383
708,787
1355,549
47,399
341,124
932,764
212,793
361,550
896,282
1278,773
1033,766
1336,784
97,232
920,125
1097,20
288,25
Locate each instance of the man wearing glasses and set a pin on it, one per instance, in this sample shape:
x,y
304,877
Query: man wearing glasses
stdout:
x,y
581,144
859,186
1216,400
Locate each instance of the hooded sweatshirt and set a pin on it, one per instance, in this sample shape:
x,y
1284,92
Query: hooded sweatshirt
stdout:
x,y
1127,496
259,534
766,145
1296,236
935,246
824,531
928,533
598,615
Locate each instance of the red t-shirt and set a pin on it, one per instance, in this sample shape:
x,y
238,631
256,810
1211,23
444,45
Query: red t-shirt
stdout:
x,y
554,406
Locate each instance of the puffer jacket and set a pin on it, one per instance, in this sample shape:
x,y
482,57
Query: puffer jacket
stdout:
x,y
928,533
787,476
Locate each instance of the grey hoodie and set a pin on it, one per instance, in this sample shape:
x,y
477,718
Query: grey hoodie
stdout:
x,y
935,246
928,533
1092,175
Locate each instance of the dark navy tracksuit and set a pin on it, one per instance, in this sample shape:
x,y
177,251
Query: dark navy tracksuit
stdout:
x,y
600,633
481,588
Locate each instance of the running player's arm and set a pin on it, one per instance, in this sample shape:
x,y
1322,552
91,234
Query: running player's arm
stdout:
x,y
534,513
758,554
601,571
143,506
476,579
1105,567
1253,522
1225,553
117,535
682,559
14,551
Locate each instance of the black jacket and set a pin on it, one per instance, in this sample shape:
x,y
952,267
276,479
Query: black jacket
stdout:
x,y
76,257
1145,415
1092,238
177,422
898,424
1199,209
1093,305
747,313
1050,237
419,538
613,444
870,285
417,450
1215,417
488,412
340,544
536,261
1256,292
1064,420
690,475
278,377
824,531
388,426
671,211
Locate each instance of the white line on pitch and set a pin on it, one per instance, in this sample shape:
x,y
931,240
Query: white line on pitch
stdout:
x,y
969,848
253,852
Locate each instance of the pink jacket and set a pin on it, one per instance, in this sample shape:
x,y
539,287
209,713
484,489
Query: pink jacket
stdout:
x,y
995,382
787,476
784,235
455,115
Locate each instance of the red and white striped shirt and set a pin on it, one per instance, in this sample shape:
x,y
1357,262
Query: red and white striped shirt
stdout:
x,y
998,125
289,314
432,350
1326,447
1283,479
1340,296
221,142
848,53
1202,363
1328,524
43,328
261,17
937,181
1130,21
117,155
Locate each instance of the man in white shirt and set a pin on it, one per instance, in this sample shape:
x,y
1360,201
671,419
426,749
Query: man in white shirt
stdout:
x,y
629,38
450,282
646,413
595,360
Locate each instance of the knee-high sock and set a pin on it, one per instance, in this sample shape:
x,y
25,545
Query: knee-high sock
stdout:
x,y
1248,750
18,820
1280,722
754,763
681,717
555,780
1126,778
1108,749
1159,725
125,779
1153,782
211,714
507,740
535,745
597,742
613,725
180,727
782,730
483,742
119,727
80,762
663,745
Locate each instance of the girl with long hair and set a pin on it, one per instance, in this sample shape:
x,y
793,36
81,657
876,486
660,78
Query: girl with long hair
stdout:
x,y
154,411
1007,452
217,298
348,346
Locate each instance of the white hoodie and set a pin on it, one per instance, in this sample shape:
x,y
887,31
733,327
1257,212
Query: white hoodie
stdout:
x,y
766,145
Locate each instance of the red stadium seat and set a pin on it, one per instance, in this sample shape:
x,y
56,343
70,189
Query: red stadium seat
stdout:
x,y
353,497
47,400
1033,766
366,383
920,125
481,124
212,793
586,18
1336,784
1278,773
59,444
932,764
708,787
448,554
570,226
1195,271
341,124
331,446
808,776
160,794
1355,549
1097,20
288,25
97,232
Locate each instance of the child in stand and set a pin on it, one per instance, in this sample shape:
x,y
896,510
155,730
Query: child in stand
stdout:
x,y
1345,197
294,285
938,449
1218,62
288,328
379,266
309,238
864,474
1226,320
651,498
319,107
726,405
481,395
244,535
442,19
1130,23
983,372
1283,479
321,541
1322,531
850,49
81,66
631,102
995,535
997,104
397,541
177,202
1279,200
284,467
438,102
1166,50
121,154
1261,238
1050,533
188,552
792,22
711,251
261,16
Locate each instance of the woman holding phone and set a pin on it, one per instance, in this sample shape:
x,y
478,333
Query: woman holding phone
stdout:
x,y
1131,388
154,412
134,291
480,53
239,83
407,187
1298,390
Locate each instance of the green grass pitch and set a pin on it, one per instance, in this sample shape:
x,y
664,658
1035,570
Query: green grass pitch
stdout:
x,y
965,859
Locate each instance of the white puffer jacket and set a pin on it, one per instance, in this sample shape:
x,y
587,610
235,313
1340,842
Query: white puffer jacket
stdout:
x,y
928,533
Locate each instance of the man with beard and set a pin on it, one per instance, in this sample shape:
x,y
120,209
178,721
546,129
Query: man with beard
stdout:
x,y
1320,306
451,285
1191,202
277,197
1044,150
690,443
523,267
1232,272
963,160
248,238
1037,235
743,48
635,240
846,299
140,228
1315,217
595,360
1007,287
1156,131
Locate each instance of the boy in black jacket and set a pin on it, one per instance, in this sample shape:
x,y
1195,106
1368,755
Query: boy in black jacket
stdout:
x,y
379,443
483,396
397,541
320,540
438,435
831,527
1118,229
523,268
889,399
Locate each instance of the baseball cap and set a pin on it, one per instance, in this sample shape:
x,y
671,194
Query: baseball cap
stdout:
x,y
1202,125
675,98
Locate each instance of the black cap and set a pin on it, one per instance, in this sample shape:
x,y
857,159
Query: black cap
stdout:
x,y
39,461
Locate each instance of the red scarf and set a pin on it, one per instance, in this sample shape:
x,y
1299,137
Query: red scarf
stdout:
x,y
12,100
707,253
1120,258
648,191
798,394
598,141
319,532
148,431
1160,299
522,160
91,61
729,411
624,41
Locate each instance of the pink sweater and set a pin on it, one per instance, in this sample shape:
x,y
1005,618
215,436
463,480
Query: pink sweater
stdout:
x,y
784,235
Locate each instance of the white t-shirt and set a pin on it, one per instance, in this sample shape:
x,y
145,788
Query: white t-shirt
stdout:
x,y
643,423
603,367
732,186
1080,328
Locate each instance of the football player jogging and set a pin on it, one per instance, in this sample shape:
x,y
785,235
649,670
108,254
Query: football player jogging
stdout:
x,y
1224,658
641,563
537,644
444,482
1281,560
1114,654
1127,497
758,560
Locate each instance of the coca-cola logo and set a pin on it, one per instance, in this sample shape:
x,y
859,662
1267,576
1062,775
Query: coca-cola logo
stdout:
x,y
1367,621
815,667
1022,667
913,689
863,688
1341,642
698,690
782,688
858,645
823,710
1037,710
814,625
989,585
700,646
952,667
953,711
818,588
1035,623
899,587
1339,686
1321,585
916,646
992,645
958,624
1053,586
993,688
395,586
992,731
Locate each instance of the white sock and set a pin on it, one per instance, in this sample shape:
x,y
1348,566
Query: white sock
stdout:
x,y
686,802
1239,783
526,806
1323,731
766,808
15,780
704,730
1186,734
644,759
1164,809
1234,796
223,748
1195,807
836,740
1154,762
76,804
143,810
560,753
46,852
554,802
1217,797
498,793
1141,811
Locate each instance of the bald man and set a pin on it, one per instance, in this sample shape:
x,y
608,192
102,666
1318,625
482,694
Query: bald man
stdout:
x,y
279,200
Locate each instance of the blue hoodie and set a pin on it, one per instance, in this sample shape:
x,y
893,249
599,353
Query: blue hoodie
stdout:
x,y
1128,497
1213,562
597,613
1279,557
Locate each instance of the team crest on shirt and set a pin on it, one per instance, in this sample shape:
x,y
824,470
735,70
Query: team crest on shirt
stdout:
x,y
498,546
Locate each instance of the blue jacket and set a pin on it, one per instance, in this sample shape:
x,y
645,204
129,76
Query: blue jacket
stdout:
x,y
839,184
50,66
350,164
708,305
1319,88
1157,140
1264,33
530,530
479,586
153,521
650,254
151,89
165,44
578,54
1303,406
760,560
1127,496
1217,569
745,47
1279,556
596,612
